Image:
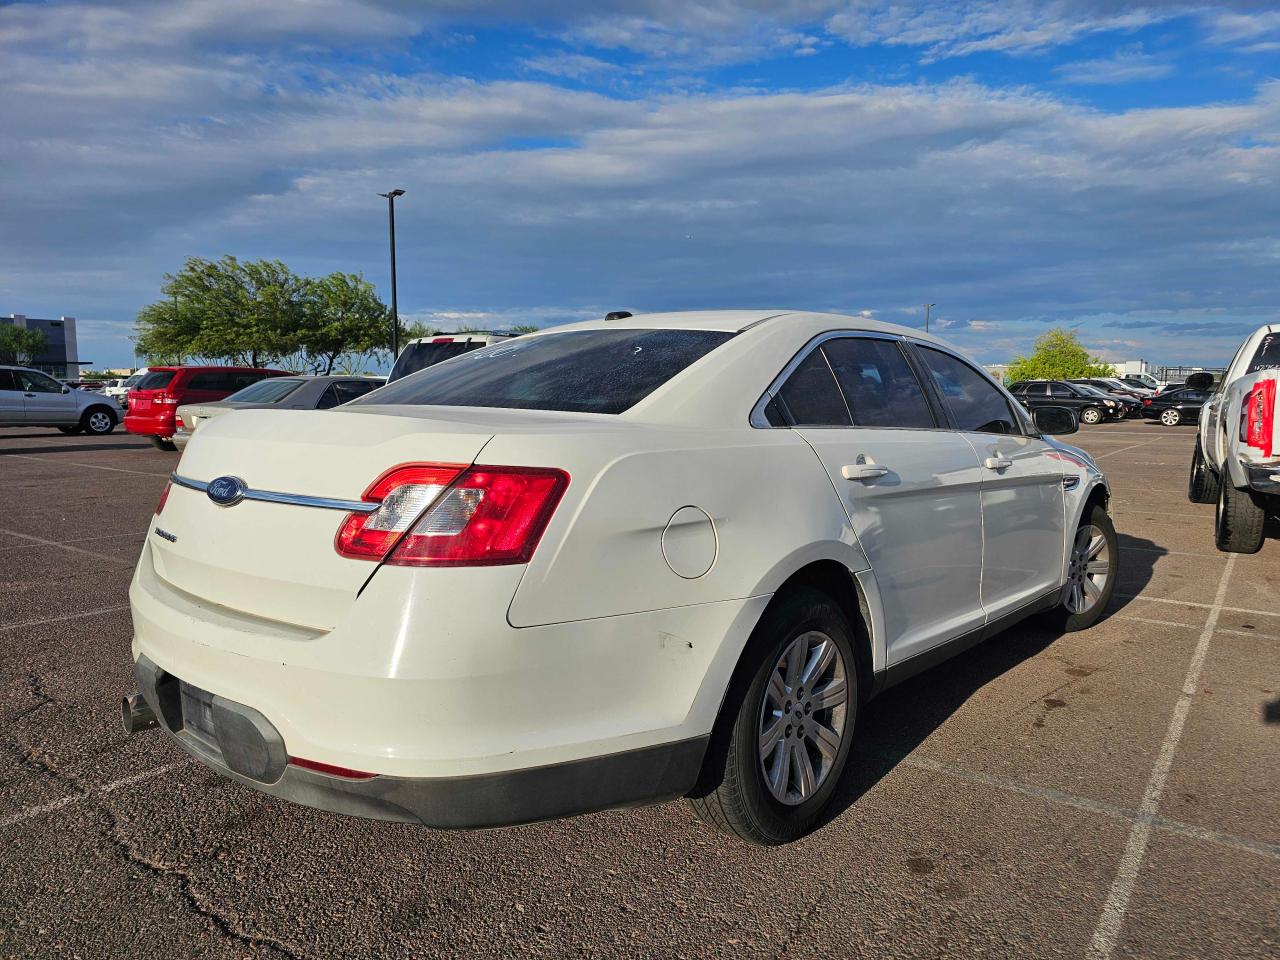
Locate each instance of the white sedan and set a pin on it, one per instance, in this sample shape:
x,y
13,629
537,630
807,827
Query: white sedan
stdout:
x,y
606,564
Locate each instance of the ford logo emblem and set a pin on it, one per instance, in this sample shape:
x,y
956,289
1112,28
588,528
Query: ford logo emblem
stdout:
x,y
226,491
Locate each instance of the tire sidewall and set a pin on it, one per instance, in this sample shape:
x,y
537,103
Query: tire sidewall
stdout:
x,y
1081,621
86,423
781,822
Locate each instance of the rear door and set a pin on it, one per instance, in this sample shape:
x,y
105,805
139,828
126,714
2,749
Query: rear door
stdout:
x,y
12,405
1023,509
911,489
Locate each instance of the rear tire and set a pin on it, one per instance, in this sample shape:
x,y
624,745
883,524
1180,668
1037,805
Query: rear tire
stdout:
x,y
1239,523
762,725
1091,574
1202,487
1091,415
160,443
1170,417
97,422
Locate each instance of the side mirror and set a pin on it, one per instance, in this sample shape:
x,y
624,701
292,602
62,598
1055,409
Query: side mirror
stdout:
x,y
1200,381
1055,421
65,388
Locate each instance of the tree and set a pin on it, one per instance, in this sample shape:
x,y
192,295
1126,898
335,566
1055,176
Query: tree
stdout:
x,y
523,328
20,345
1058,355
343,316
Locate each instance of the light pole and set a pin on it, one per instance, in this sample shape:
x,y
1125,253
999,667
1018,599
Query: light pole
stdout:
x,y
395,313
927,306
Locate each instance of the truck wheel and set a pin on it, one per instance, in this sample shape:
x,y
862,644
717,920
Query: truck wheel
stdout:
x,y
1091,415
162,443
1171,418
97,421
1240,522
784,733
1202,487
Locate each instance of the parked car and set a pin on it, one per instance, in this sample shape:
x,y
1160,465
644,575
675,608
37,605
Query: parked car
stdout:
x,y
1090,405
1176,405
283,393
154,402
1236,461
1147,380
121,392
602,565
427,351
1130,403
1113,388
29,398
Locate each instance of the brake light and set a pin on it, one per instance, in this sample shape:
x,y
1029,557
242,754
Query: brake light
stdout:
x,y
1257,417
489,516
166,398
164,496
1146,402
402,493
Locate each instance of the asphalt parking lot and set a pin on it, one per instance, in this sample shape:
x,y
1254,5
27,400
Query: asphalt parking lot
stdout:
x,y
1114,792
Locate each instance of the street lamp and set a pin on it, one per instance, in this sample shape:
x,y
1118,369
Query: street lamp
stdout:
x,y
927,306
395,313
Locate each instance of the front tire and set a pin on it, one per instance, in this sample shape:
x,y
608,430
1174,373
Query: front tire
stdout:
x,y
1092,567
97,422
1239,522
1170,418
1091,415
1202,486
784,734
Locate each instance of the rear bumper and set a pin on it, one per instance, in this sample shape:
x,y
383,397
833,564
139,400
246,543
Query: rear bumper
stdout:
x,y
1262,478
150,425
246,747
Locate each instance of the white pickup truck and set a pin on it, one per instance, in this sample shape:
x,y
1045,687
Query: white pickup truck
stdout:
x,y
1236,462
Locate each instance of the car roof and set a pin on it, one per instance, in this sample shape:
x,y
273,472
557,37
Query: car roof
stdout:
x,y
737,321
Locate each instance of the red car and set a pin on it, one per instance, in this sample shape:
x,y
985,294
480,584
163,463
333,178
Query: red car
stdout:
x,y
153,404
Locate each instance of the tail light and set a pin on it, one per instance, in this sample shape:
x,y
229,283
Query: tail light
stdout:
x,y
166,398
1257,417
164,496
433,515
1146,402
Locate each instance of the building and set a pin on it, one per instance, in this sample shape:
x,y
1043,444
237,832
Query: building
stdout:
x,y
61,357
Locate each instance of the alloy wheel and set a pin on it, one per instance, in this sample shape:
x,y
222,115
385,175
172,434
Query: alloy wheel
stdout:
x,y
1170,418
802,718
1091,416
1089,570
99,422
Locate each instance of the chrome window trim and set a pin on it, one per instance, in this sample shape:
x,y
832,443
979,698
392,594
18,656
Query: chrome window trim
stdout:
x,y
291,499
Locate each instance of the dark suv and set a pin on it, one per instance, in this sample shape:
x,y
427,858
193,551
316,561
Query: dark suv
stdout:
x,y
1090,404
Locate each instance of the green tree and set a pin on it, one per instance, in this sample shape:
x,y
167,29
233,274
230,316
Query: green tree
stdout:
x,y
20,345
416,329
1058,355
343,316
523,328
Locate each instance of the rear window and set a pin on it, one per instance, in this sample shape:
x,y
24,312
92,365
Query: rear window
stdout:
x,y
266,391
419,356
1267,356
587,371
156,381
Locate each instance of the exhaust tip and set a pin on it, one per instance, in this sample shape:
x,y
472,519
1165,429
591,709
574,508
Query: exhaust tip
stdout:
x,y
136,715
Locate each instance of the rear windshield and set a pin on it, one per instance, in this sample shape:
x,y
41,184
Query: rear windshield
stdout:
x,y
272,390
1268,355
419,356
155,381
587,371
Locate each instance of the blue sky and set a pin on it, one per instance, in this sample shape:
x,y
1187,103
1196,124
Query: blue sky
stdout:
x,y
1107,166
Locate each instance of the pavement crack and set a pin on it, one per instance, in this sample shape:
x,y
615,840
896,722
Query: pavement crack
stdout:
x,y
38,693
787,946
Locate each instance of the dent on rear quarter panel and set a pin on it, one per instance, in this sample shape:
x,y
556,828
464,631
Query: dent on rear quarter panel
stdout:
x,y
602,553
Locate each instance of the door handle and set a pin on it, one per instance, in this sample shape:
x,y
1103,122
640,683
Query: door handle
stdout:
x,y
29,396
863,471
997,463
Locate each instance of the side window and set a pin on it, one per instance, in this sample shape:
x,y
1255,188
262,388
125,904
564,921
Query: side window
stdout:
x,y
1061,390
208,380
350,389
37,382
879,386
1267,356
810,396
1037,390
329,398
238,381
975,404
7,380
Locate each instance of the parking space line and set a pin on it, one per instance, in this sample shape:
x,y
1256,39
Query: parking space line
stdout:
x,y
82,615
1090,805
1107,933
1132,446
30,813
67,546
1201,606
1156,623
77,463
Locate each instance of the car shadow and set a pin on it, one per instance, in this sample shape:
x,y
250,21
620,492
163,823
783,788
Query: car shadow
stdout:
x,y
895,723
70,448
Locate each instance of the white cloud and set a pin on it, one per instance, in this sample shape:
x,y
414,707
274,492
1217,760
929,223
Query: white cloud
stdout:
x,y
1125,66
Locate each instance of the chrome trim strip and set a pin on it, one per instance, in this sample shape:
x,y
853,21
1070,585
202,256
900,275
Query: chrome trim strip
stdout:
x,y
292,499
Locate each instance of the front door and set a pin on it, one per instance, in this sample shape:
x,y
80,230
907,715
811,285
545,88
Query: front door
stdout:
x,y
1023,506
45,400
12,405
910,488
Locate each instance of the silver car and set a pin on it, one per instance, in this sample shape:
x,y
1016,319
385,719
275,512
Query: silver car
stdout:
x,y
279,393
29,398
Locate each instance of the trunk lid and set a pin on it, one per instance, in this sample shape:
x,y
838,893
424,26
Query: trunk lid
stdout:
x,y
277,561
